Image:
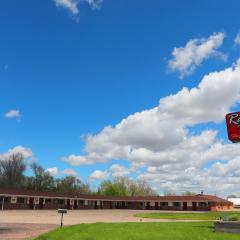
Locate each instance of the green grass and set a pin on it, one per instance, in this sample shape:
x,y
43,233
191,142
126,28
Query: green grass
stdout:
x,y
187,216
139,231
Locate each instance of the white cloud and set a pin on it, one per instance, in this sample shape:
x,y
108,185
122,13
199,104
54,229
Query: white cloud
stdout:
x,y
53,171
94,4
117,170
151,132
99,175
70,172
160,141
73,5
13,114
26,152
237,39
186,59
75,160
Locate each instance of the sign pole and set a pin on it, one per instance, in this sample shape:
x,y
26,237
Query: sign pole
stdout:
x,y
3,203
62,220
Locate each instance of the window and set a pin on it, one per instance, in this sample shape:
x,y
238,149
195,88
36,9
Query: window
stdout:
x,y
163,204
202,204
21,200
48,201
177,204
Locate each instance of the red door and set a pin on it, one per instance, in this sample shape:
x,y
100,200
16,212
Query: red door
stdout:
x,y
148,205
194,206
68,204
41,203
184,206
31,203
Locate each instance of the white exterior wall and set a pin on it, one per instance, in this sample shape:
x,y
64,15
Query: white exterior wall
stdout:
x,y
235,201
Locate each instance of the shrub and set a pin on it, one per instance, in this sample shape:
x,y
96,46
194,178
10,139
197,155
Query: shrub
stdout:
x,y
233,217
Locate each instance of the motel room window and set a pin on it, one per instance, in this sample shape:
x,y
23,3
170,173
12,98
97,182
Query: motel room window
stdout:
x,y
202,204
163,204
60,201
20,200
177,204
48,201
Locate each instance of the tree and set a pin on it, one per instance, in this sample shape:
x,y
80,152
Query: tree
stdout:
x,y
12,171
41,179
123,186
189,193
144,189
72,184
232,196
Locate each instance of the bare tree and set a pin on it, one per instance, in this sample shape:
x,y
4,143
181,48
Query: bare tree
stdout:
x,y
12,171
41,179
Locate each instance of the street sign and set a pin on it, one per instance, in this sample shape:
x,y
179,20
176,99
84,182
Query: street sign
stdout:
x,y
233,126
62,211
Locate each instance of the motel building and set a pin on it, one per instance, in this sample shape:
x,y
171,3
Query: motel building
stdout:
x,y
25,199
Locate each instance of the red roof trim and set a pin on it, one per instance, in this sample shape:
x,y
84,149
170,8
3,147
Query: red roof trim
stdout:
x,y
24,192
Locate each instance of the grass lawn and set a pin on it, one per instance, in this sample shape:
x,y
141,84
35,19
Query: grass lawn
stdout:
x,y
185,216
139,231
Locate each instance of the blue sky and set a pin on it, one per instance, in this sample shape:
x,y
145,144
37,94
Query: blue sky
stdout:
x,y
68,72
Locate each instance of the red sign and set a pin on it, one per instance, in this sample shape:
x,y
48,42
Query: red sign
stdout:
x,y
233,126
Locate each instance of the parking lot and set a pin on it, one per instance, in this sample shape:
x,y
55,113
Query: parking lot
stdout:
x,y
26,224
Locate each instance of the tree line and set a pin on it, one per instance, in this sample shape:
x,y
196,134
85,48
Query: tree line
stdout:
x,y
12,175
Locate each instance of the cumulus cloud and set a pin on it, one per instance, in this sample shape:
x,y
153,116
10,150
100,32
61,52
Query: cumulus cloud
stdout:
x,y
14,113
152,133
94,4
53,171
186,59
237,39
76,160
160,141
26,152
73,5
116,170
70,172
99,175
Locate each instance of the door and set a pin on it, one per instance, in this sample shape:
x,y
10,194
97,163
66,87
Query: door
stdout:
x,y
68,204
41,203
156,205
75,204
184,206
194,206
31,203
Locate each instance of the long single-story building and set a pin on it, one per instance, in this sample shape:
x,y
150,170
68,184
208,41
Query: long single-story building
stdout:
x,y
25,199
